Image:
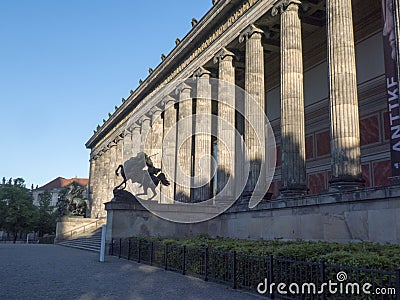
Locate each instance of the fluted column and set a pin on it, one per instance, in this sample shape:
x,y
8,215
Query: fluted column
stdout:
x,y
96,206
136,139
111,169
92,180
226,112
292,100
127,144
202,131
254,86
155,145
168,165
184,144
145,127
119,159
105,185
345,131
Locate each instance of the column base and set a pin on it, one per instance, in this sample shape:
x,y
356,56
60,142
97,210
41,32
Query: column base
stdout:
x,y
293,190
346,183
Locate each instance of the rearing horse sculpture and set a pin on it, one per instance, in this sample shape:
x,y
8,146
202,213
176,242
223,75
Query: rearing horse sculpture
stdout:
x,y
133,169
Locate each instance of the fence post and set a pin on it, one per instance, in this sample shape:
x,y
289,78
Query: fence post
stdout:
x,y
322,275
112,247
234,270
183,259
129,249
166,256
398,284
151,253
138,260
205,263
271,274
120,248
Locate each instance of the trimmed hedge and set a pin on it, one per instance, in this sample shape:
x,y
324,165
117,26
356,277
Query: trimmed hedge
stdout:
x,y
363,254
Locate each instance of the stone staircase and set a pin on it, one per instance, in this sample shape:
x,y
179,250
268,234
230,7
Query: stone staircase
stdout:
x,y
90,242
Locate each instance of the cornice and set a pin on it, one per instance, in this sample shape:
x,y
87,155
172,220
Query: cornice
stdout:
x,y
247,16
173,57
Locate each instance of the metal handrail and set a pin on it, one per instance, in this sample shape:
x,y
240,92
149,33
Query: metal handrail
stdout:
x,y
70,233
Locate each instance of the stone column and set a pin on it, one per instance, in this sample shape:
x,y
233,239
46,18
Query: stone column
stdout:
x,y
202,154
96,204
294,182
104,184
111,169
155,145
136,139
345,131
254,86
119,159
127,144
168,165
92,180
226,111
184,144
145,127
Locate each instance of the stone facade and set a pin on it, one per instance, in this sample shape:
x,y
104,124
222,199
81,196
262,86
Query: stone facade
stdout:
x,y
316,69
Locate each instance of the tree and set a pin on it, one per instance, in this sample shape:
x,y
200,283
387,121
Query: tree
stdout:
x,y
47,218
20,215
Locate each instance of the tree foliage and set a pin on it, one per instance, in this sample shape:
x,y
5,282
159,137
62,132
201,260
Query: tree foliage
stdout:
x,y
19,215
47,218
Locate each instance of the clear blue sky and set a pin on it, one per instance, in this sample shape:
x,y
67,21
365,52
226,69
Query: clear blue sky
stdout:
x,y
65,64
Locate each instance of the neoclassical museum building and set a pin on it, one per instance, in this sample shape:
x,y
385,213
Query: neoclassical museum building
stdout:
x,y
325,72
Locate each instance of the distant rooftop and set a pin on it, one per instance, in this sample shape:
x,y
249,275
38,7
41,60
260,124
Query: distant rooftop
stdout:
x,y
61,182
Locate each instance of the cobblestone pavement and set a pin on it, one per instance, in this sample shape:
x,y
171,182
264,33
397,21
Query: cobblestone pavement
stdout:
x,y
55,272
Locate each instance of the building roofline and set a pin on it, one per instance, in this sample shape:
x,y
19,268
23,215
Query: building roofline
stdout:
x,y
212,17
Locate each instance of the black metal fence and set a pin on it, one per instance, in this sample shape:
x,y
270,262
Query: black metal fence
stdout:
x,y
263,274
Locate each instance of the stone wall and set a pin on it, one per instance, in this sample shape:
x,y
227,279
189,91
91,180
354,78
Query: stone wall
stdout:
x,y
367,215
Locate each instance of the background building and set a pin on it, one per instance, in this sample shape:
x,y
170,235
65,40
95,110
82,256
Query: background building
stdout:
x,y
55,186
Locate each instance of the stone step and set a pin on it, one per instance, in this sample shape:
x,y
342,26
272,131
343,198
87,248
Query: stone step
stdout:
x,y
88,248
89,243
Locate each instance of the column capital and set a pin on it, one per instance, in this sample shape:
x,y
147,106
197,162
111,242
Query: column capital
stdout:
x,y
201,73
155,109
144,118
132,127
250,31
168,101
282,5
181,87
119,138
222,55
112,144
